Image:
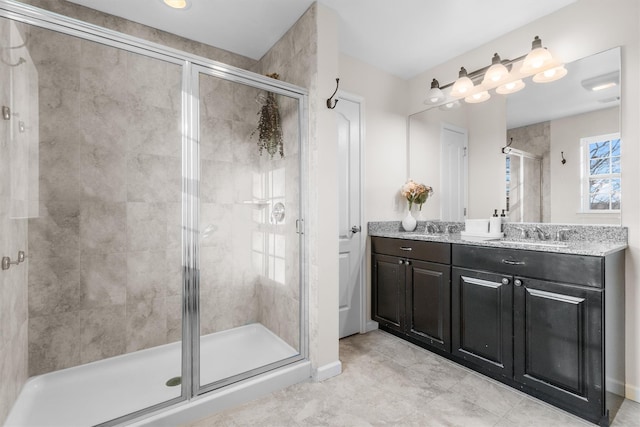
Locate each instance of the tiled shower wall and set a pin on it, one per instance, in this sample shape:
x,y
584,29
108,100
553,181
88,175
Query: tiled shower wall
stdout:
x,y
536,139
106,272
16,163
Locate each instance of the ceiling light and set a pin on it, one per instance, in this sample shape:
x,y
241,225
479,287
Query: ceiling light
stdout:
x,y
550,75
176,4
434,95
497,72
478,97
511,87
537,59
463,85
605,81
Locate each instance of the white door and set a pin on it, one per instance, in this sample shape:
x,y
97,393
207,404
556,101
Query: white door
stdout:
x,y
349,217
453,173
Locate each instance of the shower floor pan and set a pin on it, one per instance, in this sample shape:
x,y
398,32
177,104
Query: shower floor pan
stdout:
x,y
100,391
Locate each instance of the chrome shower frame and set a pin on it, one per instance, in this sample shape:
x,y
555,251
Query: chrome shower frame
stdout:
x,y
191,66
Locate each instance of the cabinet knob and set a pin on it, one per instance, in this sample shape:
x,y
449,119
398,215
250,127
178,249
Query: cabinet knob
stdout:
x,y
505,281
517,282
407,262
401,261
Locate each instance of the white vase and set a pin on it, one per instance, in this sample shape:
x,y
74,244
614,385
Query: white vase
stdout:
x,y
409,222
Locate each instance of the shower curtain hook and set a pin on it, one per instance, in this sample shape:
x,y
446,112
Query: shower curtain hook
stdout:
x,y
563,161
334,94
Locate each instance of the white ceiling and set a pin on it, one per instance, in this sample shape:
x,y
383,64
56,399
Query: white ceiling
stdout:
x,y
402,37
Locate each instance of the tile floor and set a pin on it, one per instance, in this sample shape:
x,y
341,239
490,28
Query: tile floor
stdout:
x,y
387,381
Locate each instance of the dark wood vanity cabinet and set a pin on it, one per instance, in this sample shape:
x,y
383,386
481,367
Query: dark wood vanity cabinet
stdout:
x,y
411,289
558,343
549,324
482,319
537,320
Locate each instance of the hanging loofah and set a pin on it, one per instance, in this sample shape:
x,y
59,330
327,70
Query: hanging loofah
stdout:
x,y
269,127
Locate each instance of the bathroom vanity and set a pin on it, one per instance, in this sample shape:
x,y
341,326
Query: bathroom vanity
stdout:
x,y
547,319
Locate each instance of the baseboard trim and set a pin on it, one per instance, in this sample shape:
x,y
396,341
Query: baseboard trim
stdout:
x,y
371,325
632,393
327,371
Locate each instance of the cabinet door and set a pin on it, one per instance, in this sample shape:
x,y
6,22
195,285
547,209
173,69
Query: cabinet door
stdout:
x,y
558,342
481,317
429,303
388,291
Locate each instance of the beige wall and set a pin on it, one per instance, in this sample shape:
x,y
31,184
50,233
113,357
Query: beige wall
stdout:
x,y
581,29
565,137
323,214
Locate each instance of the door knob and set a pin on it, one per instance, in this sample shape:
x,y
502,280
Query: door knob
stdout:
x,y
356,229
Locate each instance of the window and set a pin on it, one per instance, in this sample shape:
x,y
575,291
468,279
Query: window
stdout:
x,y
601,173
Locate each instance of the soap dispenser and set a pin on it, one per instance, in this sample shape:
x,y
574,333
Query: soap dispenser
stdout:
x,y
495,223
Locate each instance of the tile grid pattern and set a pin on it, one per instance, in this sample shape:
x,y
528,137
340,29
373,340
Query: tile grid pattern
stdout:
x,y
388,381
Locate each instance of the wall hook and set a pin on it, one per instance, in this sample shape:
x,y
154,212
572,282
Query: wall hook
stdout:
x,y
507,148
563,161
331,105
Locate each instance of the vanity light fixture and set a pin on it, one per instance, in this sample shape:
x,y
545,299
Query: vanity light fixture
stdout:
x,y
510,87
550,75
501,75
463,85
176,4
435,95
497,72
478,97
537,59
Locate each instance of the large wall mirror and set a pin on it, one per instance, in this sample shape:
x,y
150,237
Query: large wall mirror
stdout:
x,y
549,153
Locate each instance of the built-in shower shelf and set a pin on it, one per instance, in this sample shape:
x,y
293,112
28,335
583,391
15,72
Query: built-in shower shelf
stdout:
x,y
257,202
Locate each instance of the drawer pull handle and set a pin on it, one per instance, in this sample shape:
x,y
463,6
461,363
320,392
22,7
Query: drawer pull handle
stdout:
x,y
405,248
509,262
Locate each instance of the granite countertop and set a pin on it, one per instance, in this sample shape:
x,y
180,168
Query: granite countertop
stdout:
x,y
598,246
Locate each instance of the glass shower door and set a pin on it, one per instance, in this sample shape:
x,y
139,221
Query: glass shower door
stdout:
x,y
104,227
249,248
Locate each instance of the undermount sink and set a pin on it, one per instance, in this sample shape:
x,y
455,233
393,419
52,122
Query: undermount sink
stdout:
x,y
539,244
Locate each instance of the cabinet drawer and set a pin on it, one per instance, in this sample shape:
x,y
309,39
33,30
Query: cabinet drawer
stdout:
x,y
576,269
415,249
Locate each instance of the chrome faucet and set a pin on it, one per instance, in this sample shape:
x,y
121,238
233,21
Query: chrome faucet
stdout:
x,y
523,232
541,234
561,234
432,228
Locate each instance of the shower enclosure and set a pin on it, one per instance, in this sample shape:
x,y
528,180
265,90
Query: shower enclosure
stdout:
x,y
523,186
165,255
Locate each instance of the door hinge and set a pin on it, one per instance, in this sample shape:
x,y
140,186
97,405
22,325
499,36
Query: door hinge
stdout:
x,y
300,226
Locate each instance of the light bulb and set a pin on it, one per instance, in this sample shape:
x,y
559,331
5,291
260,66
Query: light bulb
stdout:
x,y
550,75
478,97
463,85
537,59
434,95
510,87
496,73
